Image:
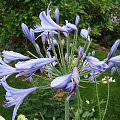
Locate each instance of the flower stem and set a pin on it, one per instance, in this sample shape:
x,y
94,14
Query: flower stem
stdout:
x,y
66,109
98,101
108,95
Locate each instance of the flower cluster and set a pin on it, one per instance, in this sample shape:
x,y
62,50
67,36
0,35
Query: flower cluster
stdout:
x,y
64,61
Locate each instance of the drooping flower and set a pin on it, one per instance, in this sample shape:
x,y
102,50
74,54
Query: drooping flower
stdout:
x,y
6,69
28,33
113,48
57,15
10,56
31,66
15,96
77,20
85,34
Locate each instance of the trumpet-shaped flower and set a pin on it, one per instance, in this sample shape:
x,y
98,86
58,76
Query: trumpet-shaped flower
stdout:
x,y
48,24
96,64
15,96
6,69
57,15
28,33
10,56
61,81
31,66
84,33
113,48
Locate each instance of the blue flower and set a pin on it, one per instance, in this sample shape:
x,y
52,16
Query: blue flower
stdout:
x,y
84,33
80,51
10,56
61,81
113,48
68,82
6,69
31,66
48,24
28,33
15,96
57,15
77,20
115,59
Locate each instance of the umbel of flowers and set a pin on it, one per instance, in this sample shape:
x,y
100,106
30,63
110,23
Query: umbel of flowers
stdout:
x,y
68,64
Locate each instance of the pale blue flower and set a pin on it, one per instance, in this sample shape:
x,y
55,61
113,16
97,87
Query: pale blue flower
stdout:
x,y
6,69
77,20
61,81
68,82
75,83
115,59
57,15
48,24
113,48
96,64
10,56
15,96
80,51
31,66
85,34
28,33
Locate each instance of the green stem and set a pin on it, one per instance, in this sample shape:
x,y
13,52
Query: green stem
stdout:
x,y
66,109
98,101
108,95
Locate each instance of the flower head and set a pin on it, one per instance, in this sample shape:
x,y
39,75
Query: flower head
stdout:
x,y
10,56
15,96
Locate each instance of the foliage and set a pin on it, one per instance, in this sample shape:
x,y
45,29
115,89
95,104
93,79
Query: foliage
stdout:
x,y
93,13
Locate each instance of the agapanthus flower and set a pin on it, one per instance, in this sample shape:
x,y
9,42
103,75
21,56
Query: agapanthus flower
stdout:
x,y
61,81
113,48
85,34
48,24
57,15
115,59
28,33
80,51
10,56
6,69
15,96
77,20
31,66
69,27
68,82
96,66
